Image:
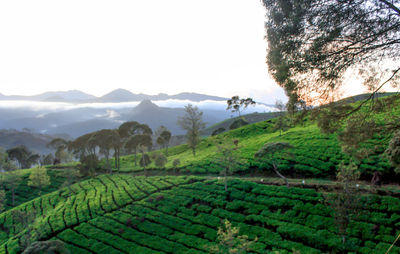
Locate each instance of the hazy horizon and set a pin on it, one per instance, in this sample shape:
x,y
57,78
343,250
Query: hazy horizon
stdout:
x,y
152,47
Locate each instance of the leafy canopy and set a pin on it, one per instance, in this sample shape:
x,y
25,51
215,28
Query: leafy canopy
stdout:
x,y
313,43
236,104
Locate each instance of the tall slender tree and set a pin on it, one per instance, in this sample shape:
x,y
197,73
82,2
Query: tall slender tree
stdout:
x,y
192,122
137,141
236,104
163,139
117,144
282,123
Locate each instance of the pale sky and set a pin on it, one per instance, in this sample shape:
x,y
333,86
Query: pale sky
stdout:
x,y
215,47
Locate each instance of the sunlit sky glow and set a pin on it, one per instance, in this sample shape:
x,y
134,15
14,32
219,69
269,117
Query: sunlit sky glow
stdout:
x,y
211,47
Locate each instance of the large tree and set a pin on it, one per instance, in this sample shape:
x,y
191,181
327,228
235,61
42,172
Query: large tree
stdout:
x,y
81,146
313,43
314,46
192,122
129,129
60,145
104,140
23,156
133,133
137,141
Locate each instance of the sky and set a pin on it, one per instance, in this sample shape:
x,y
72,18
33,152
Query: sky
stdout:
x,y
212,47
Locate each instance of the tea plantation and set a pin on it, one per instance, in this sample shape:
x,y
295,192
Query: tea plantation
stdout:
x,y
315,154
181,214
24,193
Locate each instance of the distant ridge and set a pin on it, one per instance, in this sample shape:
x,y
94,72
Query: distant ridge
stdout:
x,y
118,95
62,96
123,95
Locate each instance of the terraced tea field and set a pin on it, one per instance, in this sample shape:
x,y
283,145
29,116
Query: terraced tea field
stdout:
x,y
126,214
24,193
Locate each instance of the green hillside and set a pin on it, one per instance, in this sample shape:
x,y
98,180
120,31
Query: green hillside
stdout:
x,y
315,154
125,214
24,193
250,118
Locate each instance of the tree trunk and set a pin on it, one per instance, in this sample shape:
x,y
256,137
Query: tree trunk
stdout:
x,y
166,150
194,151
274,167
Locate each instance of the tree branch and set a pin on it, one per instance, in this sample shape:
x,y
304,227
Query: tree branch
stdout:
x,y
391,6
373,93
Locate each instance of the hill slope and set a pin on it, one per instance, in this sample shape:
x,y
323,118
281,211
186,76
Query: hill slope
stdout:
x,y
250,118
314,155
125,214
34,141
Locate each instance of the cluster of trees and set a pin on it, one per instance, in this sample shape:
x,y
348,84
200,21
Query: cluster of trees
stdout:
x,y
130,137
18,157
10,178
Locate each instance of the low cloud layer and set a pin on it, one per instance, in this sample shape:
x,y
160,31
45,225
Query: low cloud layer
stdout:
x,y
60,106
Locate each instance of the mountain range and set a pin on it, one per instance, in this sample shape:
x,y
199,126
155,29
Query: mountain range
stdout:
x,y
71,114
83,118
118,95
